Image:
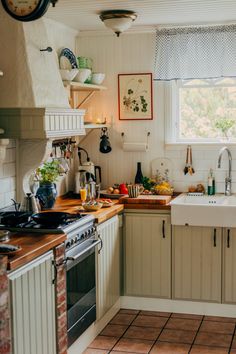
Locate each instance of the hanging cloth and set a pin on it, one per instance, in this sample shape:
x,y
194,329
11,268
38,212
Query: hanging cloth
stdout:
x,y
195,53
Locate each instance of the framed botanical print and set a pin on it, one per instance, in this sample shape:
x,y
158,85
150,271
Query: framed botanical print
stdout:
x,y
135,96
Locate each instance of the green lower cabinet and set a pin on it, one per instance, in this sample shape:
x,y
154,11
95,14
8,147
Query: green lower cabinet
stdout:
x,y
196,263
147,255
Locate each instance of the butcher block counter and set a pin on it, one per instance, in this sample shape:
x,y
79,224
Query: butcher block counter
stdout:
x,y
33,245
157,202
72,205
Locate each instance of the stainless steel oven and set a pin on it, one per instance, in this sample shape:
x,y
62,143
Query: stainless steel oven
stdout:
x,y
81,281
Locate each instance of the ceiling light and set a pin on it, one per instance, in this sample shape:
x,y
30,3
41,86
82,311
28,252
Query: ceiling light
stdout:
x,y
118,20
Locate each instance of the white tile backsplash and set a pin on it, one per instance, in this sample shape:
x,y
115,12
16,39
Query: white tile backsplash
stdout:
x,y
8,176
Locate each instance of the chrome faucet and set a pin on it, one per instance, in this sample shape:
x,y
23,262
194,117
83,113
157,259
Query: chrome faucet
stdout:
x,y
228,178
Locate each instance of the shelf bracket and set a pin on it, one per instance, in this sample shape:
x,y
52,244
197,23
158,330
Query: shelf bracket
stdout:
x,y
85,99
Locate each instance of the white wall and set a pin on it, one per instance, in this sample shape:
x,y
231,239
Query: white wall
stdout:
x,y
8,175
129,54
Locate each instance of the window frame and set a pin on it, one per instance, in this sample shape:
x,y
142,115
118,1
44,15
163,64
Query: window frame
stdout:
x,y
172,113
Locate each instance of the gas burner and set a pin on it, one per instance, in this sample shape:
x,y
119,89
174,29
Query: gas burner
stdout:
x,y
23,223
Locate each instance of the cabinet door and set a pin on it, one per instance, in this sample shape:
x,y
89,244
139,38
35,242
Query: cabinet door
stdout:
x,y
33,307
197,263
108,266
229,266
147,255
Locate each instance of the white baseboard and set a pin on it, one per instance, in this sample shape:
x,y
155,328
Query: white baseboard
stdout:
x,y
199,308
91,333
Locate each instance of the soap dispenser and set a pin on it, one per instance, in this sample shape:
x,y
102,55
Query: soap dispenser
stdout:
x,y
211,183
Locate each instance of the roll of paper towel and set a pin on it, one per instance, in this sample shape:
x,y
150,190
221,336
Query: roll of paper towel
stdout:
x,y
141,147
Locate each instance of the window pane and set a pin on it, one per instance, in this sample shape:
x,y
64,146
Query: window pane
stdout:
x,y
207,112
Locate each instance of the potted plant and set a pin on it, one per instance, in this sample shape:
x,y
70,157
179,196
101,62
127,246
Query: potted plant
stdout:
x,y
48,174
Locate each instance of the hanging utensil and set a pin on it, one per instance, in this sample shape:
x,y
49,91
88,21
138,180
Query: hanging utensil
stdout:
x,y
186,163
191,169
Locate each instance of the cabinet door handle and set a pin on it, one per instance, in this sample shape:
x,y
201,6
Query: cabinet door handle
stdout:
x,y
101,242
163,229
214,237
228,238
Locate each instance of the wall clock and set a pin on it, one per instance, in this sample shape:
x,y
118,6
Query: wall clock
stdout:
x,y
26,10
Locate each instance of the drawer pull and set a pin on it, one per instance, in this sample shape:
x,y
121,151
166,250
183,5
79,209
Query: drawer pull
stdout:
x,y
214,237
228,238
163,229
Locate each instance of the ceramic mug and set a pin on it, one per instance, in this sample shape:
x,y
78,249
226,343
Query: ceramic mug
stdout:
x,y
134,190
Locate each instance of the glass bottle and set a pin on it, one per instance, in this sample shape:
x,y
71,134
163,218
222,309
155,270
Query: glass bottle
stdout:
x,y
139,175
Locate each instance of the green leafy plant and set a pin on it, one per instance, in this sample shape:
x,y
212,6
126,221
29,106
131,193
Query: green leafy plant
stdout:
x,y
135,100
49,172
224,125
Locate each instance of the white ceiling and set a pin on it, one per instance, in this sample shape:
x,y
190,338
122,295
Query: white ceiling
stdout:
x,y
83,15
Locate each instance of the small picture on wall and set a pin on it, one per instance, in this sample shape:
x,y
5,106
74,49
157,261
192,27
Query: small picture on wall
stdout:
x,y
135,96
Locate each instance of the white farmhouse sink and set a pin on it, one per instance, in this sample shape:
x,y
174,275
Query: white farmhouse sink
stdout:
x,y
218,210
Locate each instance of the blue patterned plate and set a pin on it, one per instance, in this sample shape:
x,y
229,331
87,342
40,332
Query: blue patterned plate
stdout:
x,y
66,52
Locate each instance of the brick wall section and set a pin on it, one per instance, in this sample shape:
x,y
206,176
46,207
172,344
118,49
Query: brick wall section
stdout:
x,y
5,336
61,311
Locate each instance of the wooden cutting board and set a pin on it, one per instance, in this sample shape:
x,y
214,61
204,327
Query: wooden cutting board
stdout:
x,y
147,199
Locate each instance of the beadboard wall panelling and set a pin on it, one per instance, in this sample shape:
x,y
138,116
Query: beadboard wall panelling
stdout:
x,y
129,54
8,175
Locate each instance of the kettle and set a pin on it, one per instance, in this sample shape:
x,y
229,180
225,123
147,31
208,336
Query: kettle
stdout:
x,y
29,204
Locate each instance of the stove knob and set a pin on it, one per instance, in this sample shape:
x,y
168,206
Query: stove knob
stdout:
x,y
82,236
72,241
89,232
76,238
68,244
86,233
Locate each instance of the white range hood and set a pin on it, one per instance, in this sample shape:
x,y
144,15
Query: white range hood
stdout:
x,y
34,105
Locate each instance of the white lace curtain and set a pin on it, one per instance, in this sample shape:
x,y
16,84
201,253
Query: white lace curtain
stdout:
x,y
195,53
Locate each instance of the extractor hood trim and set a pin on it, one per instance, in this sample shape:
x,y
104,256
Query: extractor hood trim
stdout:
x,y
41,123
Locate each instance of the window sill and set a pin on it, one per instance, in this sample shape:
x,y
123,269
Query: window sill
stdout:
x,y
200,145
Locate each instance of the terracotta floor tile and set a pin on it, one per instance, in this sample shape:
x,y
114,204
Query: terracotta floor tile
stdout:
x,y
150,321
103,342
129,312
185,324
177,336
148,333
170,348
95,351
114,330
115,352
202,349
123,319
217,327
155,313
133,345
220,319
187,315
234,342
212,339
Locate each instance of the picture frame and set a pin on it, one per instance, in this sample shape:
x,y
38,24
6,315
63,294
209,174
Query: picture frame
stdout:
x,y
135,96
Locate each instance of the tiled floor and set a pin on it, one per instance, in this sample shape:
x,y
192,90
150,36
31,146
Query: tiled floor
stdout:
x,y
142,332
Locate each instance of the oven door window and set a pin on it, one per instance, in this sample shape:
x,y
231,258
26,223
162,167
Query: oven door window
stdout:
x,y
81,282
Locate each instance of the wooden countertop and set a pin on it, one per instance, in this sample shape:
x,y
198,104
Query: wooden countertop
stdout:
x,y
73,205
33,245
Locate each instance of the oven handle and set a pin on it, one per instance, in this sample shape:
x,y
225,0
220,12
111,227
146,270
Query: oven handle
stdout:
x,y
94,244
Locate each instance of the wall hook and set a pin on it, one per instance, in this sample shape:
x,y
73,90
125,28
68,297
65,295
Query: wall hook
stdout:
x,y
48,49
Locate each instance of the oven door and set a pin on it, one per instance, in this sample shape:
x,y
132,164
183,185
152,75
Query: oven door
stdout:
x,y
81,288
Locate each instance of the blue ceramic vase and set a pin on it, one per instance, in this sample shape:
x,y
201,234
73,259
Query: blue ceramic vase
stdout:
x,y
46,194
